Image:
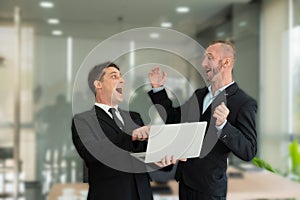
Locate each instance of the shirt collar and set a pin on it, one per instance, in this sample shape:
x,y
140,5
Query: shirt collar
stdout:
x,y
219,90
106,107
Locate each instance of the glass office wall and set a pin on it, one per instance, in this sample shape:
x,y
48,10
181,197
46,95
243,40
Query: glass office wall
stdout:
x,y
279,75
17,137
56,63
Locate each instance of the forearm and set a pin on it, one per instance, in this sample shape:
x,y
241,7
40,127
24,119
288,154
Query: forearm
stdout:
x,y
164,106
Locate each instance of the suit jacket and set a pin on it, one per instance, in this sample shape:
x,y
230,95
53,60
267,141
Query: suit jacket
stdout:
x,y
105,149
207,173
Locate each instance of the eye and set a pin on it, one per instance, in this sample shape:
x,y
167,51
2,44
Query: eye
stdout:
x,y
114,76
210,57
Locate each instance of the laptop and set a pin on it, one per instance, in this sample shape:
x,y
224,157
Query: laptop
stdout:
x,y
181,140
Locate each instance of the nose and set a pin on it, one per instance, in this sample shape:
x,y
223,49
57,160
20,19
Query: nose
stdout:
x,y
122,79
204,61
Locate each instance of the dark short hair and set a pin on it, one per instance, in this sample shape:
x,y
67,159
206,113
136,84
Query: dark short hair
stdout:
x,y
97,73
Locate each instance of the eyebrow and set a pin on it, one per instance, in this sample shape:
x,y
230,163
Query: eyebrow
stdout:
x,y
208,54
114,72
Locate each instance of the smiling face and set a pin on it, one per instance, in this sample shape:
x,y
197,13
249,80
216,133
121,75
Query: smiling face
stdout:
x,y
109,89
212,63
218,63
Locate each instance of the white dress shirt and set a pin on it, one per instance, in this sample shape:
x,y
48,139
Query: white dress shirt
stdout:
x,y
209,98
106,108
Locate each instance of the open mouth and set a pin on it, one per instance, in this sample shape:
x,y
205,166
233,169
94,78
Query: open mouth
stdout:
x,y
119,90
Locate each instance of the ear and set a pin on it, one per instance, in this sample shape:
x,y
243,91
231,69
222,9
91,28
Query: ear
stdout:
x,y
97,84
227,62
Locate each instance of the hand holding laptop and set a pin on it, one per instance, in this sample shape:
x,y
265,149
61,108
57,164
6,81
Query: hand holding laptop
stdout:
x,y
165,161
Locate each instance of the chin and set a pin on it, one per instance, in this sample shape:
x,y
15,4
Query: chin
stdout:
x,y
119,100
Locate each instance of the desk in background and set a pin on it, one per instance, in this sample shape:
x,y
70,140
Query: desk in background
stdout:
x,y
57,189
261,184
253,185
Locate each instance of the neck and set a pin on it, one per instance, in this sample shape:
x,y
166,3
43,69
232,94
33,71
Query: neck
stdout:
x,y
216,85
99,99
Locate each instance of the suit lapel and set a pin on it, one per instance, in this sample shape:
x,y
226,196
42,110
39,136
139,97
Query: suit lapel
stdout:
x,y
126,117
231,90
193,109
223,96
129,122
104,117
202,94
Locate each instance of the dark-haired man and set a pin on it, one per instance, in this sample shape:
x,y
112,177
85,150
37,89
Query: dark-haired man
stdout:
x,y
104,138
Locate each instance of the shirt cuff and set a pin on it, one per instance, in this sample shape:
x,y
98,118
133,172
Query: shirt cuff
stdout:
x,y
219,128
157,89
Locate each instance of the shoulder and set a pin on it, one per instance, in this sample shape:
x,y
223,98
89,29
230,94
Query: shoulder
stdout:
x,y
241,99
134,115
243,96
131,113
201,92
84,115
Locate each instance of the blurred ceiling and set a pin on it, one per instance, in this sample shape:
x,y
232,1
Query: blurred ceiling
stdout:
x,y
102,18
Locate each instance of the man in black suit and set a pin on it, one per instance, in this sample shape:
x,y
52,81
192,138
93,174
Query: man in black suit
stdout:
x,y
230,113
104,138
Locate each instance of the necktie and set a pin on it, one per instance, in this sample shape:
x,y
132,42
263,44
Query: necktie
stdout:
x,y
116,118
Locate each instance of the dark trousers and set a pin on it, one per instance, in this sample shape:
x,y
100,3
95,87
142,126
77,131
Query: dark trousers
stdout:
x,y
187,193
